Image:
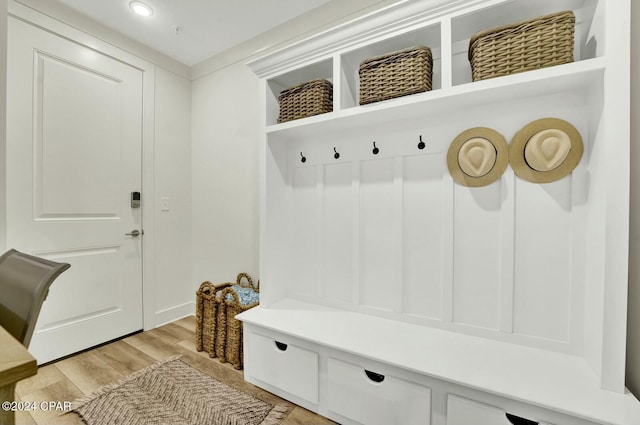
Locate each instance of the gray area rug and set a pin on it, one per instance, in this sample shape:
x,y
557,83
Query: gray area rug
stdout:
x,y
172,392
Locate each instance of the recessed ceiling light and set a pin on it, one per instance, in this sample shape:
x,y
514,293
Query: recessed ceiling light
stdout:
x,y
141,8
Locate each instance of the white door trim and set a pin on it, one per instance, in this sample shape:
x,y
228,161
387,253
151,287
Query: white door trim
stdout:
x,y
148,201
54,26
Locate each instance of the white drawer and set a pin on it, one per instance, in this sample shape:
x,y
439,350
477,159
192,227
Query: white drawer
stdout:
x,y
462,411
372,399
284,365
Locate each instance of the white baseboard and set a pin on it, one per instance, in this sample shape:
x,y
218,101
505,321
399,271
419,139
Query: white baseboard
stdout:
x,y
172,314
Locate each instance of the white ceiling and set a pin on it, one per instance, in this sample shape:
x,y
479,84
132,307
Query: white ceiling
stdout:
x,y
207,27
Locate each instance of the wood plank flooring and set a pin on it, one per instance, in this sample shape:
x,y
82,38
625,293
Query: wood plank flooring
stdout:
x,y
82,374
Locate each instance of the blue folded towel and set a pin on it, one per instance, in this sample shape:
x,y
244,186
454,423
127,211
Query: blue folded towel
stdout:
x,y
245,295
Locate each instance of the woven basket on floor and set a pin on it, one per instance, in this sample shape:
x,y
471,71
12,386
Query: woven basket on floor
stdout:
x,y
207,316
229,342
396,74
522,46
311,98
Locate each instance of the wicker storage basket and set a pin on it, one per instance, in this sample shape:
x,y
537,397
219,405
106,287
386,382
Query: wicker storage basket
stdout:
x,y
311,98
522,46
396,74
207,316
229,342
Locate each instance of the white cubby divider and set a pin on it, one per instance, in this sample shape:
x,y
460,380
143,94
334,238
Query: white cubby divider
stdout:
x,y
446,55
372,247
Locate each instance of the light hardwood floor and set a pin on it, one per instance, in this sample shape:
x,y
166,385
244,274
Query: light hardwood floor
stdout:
x,y
84,373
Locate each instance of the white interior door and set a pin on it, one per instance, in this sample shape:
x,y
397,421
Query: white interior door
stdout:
x,y
74,138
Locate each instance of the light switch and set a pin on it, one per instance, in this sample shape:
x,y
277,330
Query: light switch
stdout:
x,y
165,205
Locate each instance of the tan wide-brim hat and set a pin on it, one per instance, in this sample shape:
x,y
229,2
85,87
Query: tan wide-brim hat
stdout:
x,y
477,157
545,150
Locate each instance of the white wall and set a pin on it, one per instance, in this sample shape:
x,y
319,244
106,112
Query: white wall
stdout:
x,y
174,295
225,134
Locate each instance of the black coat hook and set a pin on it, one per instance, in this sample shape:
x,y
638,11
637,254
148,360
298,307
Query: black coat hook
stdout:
x,y
302,158
375,151
421,145
336,155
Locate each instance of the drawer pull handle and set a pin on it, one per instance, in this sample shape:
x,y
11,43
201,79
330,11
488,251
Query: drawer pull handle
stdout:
x,y
375,377
281,346
517,420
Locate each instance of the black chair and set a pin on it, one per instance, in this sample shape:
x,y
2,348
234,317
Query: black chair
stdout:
x,y
24,285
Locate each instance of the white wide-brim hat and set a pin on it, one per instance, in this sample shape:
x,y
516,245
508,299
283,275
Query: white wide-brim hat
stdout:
x,y
477,157
545,150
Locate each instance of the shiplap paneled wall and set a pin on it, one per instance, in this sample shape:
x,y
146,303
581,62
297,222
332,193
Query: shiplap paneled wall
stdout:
x,y
392,234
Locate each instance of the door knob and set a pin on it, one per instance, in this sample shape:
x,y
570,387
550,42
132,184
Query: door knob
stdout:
x,y
135,233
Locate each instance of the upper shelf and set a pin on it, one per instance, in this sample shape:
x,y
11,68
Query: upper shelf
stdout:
x,y
447,34
583,75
